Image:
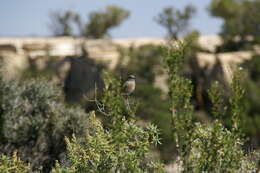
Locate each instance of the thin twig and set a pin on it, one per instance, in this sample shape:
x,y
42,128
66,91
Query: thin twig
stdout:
x,y
100,106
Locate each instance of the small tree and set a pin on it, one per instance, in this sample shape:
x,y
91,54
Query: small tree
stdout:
x,y
62,24
98,26
205,148
175,21
101,22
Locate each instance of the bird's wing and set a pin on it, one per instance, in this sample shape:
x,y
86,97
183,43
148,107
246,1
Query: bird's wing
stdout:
x,y
125,85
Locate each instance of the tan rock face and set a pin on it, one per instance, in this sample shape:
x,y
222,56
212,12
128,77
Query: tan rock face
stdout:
x,y
101,50
210,43
13,64
228,61
16,53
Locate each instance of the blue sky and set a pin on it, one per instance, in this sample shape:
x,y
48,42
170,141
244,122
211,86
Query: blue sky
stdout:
x,y
21,18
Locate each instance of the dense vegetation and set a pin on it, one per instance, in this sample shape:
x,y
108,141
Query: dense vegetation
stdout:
x,y
33,113
203,124
240,32
35,120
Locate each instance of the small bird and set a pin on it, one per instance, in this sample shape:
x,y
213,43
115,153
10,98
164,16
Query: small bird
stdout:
x,y
129,85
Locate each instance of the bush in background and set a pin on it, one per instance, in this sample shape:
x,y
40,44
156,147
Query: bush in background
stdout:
x,y
251,123
240,31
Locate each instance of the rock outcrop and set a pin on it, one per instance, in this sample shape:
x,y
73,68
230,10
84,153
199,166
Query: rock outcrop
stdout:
x,y
72,69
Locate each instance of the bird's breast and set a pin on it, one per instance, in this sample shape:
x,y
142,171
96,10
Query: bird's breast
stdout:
x,y
130,86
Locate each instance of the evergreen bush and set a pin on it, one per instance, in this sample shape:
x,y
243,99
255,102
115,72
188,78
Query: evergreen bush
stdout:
x,y
34,121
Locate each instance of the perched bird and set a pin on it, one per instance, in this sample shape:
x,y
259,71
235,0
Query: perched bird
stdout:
x,y
129,85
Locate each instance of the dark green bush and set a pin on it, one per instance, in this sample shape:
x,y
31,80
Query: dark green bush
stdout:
x,y
34,121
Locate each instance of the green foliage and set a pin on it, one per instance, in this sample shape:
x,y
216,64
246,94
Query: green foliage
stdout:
x,y
174,20
216,149
216,93
35,120
146,63
98,25
252,67
62,24
13,165
205,148
101,22
236,102
118,144
33,71
180,94
114,103
251,102
241,19
224,8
